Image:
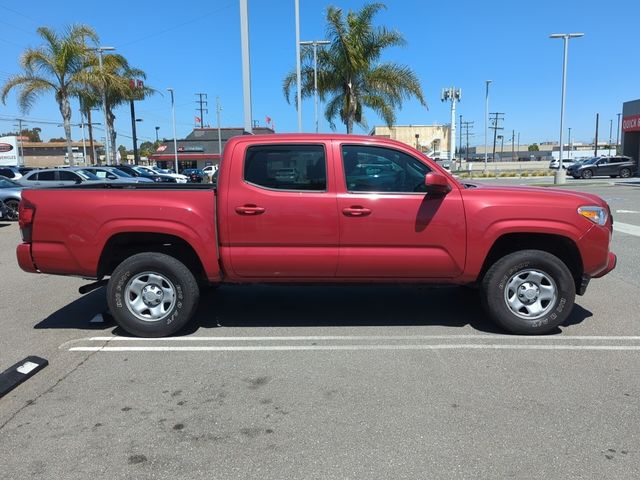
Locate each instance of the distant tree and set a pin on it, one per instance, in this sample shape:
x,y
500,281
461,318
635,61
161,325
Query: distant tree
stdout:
x,y
534,148
350,72
33,135
53,67
123,153
147,148
58,139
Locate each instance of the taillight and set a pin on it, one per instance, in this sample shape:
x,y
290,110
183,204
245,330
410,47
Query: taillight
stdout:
x,y
26,212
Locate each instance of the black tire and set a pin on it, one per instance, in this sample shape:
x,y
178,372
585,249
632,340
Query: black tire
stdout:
x,y
587,174
165,303
12,209
498,291
625,173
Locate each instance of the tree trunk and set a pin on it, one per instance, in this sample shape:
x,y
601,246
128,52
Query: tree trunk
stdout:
x,y
92,149
65,110
112,137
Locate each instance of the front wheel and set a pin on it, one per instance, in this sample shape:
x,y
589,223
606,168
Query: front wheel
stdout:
x,y
587,174
152,295
530,292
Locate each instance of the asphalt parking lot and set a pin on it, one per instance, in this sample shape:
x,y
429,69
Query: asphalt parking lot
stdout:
x,y
326,382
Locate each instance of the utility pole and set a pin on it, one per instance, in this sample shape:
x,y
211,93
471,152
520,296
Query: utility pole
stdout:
x,y
501,146
20,147
518,146
134,84
486,121
610,132
466,126
498,117
218,109
453,95
460,143
513,148
596,142
202,102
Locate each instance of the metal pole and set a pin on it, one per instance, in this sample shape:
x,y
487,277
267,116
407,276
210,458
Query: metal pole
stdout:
x,y
136,158
596,142
175,139
246,67
315,82
486,121
513,149
298,74
570,146
91,142
518,146
564,88
20,147
157,128
618,134
219,133
610,132
460,145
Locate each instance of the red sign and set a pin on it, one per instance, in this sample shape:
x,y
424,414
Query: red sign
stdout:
x,y
631,123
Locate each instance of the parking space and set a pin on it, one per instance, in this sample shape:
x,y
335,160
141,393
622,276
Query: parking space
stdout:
x,y
325,382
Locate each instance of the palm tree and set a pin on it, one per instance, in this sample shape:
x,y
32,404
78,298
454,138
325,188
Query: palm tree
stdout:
x,y
55,66
115,80
349,71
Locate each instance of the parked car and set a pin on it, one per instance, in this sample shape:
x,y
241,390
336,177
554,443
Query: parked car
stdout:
x,y
112,174
555,163
11,172
143,173
617,166
10,196
420,225
179,177
57,177
195,175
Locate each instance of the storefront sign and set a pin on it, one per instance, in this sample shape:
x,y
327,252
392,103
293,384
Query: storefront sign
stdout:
x,y
631,123
8,150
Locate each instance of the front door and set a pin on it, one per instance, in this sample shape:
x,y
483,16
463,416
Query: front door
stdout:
x,y
281,212
389,226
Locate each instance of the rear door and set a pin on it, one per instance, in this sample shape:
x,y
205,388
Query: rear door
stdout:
x,y
389,227
281,212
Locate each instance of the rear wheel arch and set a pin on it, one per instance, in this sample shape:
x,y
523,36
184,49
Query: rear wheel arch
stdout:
x,y
121,246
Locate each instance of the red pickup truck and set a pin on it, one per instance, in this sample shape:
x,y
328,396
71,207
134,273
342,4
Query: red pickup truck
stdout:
x,y
320,209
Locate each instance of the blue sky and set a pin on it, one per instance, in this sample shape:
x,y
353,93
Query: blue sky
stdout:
x,y
194,46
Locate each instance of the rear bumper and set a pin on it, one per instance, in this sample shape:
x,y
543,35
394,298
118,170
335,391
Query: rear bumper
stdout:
x,y
23,252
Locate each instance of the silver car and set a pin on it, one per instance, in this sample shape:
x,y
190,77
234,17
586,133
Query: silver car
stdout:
x,y
10,195
57,177
112,175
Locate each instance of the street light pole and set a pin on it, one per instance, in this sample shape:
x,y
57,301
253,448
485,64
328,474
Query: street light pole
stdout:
x,y
565,37
175,139
246,67
107,149
157,128
315,44
570,146
486,121
298,74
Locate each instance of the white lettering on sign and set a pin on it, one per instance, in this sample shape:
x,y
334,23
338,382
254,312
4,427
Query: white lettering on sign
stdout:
x,y
631,123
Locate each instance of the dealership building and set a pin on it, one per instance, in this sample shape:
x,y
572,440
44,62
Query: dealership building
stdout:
x,y
631,129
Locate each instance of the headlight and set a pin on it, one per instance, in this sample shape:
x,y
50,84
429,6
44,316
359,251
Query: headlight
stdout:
x,y
595,214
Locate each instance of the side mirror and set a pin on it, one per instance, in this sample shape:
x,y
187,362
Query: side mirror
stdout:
x,y
436,184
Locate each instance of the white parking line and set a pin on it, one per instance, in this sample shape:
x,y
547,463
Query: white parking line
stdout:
x,y
627,228
359,337
281,348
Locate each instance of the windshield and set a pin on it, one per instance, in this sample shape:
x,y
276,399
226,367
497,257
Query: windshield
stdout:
x,y
120,173
6,183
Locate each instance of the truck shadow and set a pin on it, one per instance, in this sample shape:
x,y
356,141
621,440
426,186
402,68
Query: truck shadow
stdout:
x,y
254,306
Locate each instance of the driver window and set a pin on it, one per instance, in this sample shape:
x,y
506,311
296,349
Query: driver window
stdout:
x,y
378,169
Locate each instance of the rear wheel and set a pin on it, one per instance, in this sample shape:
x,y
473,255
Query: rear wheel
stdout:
x,y
12,208
587,173
152,295
528,292
625,173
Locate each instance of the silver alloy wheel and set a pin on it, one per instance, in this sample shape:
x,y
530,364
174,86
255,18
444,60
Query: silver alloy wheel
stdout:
x,y
530,294
150,296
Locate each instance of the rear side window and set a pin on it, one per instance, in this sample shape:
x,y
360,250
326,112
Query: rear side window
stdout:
x,y
47,176
287,167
